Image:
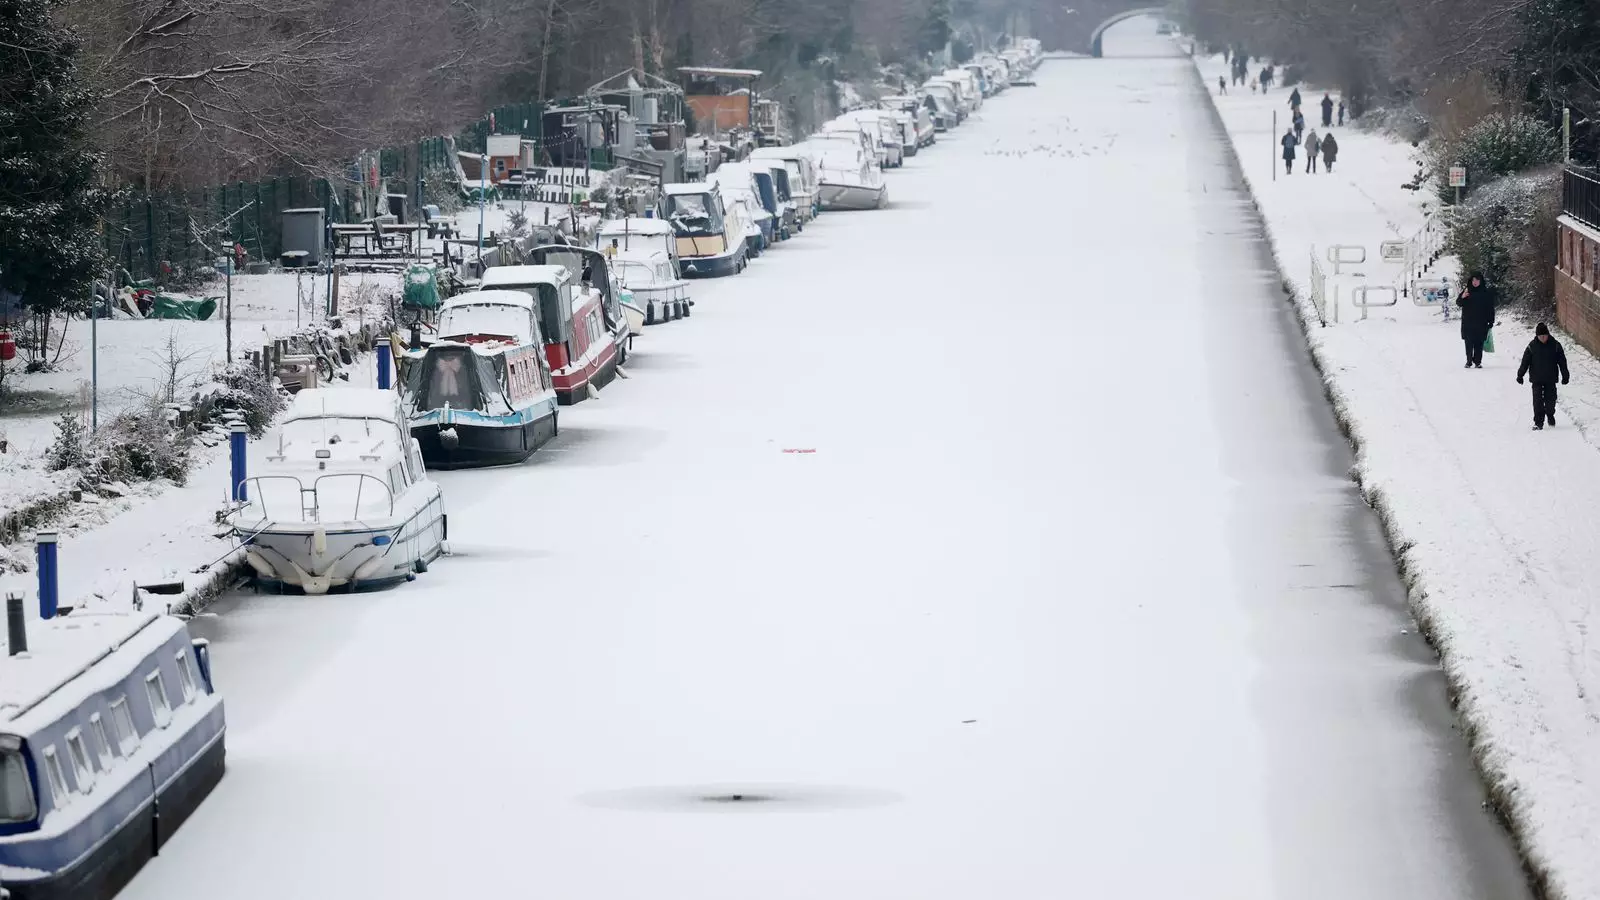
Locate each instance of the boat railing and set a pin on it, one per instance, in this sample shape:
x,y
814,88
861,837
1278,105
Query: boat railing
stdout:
x,y
336,497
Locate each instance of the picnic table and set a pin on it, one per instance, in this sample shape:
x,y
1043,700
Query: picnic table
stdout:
x,y
375,239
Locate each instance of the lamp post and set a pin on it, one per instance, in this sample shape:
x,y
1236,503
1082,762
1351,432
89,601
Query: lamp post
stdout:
x,y
227,309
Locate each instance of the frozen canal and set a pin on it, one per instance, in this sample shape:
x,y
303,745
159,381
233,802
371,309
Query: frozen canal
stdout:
x,y
1073,597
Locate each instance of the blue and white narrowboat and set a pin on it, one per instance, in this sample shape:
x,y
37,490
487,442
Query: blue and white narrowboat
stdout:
x,y
483,394
111,734
708,244
344,501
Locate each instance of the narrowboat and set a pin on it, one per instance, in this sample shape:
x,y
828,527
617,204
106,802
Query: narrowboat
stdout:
x,y
111,735
707,246
594,274
344,500
621,237
483,394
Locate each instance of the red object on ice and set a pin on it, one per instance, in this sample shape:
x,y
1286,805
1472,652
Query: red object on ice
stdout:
x,y
8,347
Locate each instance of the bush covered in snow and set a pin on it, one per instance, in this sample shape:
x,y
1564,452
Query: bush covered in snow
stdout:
x,y
68,450
141,445
1497,145
1506,229
1405,123
240,389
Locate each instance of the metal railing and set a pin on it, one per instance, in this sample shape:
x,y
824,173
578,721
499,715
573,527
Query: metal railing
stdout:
x,y
1319,289
1580,195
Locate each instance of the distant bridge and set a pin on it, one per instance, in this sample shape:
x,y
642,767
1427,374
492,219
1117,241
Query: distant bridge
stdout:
x,y
1078,25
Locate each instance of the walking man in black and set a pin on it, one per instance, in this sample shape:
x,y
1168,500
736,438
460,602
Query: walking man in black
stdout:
x,y
1477,302
1541,362
1327,111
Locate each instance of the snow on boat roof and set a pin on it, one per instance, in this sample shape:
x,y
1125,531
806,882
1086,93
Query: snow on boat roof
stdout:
x,y
65,650
344,403
496,278
720,73
689,187
635,225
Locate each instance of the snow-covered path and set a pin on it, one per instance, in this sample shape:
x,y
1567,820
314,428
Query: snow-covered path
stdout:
x,y
1073,597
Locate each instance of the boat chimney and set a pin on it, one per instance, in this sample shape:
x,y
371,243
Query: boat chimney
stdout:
x,y
16,625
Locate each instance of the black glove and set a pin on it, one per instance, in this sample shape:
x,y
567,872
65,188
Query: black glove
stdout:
x,y
1564,380
1519,379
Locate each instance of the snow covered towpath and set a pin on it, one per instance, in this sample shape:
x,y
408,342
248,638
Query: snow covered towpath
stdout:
x,y
1498,526
997,544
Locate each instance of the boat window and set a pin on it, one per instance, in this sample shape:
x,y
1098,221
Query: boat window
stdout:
x,y
102,748
185,676
58,778
156,689
16,791
81,770
122,726
332,429
397,481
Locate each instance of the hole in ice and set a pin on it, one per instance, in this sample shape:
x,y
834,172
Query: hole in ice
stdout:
x,y
740,798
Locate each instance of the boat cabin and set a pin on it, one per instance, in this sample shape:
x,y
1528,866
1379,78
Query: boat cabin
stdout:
x,y
721,100
111,734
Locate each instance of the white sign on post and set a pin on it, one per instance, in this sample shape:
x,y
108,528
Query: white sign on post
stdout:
x,y
1458,176
1392,251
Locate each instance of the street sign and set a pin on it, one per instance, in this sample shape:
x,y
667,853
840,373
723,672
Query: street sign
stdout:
x,y
1392,251
1458,176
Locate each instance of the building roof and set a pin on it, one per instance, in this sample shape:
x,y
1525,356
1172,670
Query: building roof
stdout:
x,y
713,72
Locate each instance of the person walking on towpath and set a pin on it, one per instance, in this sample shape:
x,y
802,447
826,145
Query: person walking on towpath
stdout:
x,y
1222,85
1313,145
1299,125
1266,78
1477,302
1327,112
1341,112
1294,101
1541,362
1289,142
1330,152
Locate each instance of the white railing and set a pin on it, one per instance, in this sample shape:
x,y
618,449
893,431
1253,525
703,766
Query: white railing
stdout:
x,y
1319,289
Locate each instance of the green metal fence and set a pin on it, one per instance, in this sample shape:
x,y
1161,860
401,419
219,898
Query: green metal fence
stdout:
x,y
155,236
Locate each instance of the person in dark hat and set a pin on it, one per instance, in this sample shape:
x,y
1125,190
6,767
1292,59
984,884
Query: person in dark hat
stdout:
x,y
1477,302
1541,363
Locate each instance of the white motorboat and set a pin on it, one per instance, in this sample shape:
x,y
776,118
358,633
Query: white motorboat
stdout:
x,y
653,280
848,179
343,501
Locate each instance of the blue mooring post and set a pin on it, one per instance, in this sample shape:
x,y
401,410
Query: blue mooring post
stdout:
x,y
49,584
384,365
237,470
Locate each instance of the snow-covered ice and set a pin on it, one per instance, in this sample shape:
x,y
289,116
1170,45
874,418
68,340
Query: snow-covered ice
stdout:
x,y
1498,522
1071,597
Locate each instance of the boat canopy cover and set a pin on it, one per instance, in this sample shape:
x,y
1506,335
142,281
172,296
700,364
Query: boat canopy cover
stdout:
x,y
694,214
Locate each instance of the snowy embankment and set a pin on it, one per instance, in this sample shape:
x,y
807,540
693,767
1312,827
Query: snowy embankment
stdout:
x,y
1494,525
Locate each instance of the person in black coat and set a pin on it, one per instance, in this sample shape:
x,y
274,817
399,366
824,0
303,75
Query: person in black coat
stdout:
x,y
1294,100
1541,362
1477,302
1327,111
1289,142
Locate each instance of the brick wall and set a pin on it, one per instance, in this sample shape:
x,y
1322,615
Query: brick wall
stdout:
x,y
1578,282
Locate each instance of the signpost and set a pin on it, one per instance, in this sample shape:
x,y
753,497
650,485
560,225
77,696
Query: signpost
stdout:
x,y
1458,180
1392,251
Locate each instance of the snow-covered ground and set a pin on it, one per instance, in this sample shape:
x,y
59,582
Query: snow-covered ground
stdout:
x,y
1498,524
997,544
133,357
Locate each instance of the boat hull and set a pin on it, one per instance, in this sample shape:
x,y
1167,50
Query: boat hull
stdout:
x,y
853,196
484,443
662,304
571,391
711,266
286,558
112,864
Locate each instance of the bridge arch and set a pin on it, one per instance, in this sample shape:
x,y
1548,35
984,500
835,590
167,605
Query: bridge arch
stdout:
x,y
1114,18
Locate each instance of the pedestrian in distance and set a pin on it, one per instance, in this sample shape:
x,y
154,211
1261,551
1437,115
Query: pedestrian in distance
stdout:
x,y
1313,146
1299,125
1327,112
1341,112
1294,101
1222,85
1330,151
1252,85
1542,362
1289,142
1477,302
